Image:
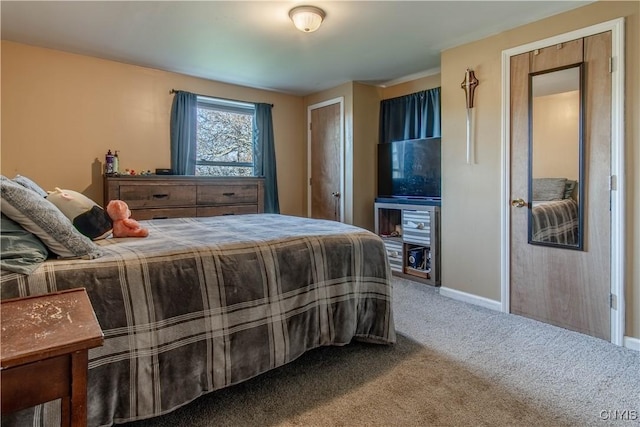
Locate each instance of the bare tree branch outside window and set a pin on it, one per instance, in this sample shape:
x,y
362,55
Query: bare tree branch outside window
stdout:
x,y
224,142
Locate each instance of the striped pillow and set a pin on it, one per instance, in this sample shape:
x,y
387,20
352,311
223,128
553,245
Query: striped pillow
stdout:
x,y
42,218
548,189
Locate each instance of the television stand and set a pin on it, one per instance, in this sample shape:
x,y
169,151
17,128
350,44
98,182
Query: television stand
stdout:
x,y
410,230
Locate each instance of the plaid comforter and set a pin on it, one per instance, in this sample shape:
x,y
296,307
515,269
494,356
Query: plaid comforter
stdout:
x,y
555,222
203,303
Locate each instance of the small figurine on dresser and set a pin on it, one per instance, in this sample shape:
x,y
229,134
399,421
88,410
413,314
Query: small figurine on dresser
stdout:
x,y
123,225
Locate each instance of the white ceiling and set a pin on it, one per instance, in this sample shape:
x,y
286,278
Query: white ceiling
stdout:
x,y
254,43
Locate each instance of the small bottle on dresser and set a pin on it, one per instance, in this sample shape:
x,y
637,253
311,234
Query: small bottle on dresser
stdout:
x,y
116,163
108,163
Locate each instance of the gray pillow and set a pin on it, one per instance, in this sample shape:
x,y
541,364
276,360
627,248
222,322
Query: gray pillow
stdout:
x,y
21,251
39,216
548,188
28,183
568,188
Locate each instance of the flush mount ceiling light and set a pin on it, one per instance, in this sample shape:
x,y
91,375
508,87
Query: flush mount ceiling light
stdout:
x,y
307,18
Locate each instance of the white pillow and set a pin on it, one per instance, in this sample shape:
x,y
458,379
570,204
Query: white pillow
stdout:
x,y
42,218
85,214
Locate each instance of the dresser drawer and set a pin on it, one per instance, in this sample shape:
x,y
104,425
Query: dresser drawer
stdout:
x,y
144,196
227,210
394,253
160,213
227,195
416,226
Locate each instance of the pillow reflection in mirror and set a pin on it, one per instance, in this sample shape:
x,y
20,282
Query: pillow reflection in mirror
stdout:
x,y
549,188
569,187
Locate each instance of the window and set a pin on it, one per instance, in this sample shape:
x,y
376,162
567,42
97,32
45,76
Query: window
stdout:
x,y
224,137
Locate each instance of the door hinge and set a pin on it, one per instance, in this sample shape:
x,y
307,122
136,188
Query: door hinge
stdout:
x,y
613,302
309,181
613,184
611,64
310,126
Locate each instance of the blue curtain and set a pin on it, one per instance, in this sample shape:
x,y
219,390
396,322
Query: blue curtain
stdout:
x,y
184,113
409,117
265,156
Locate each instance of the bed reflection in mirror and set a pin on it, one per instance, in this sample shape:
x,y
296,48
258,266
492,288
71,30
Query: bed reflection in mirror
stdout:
x,y
555,157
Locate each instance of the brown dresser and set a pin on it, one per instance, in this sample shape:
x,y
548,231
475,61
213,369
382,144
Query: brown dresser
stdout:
x,y
156,197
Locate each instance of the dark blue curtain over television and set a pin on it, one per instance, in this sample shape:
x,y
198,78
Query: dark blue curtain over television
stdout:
x,y
411,116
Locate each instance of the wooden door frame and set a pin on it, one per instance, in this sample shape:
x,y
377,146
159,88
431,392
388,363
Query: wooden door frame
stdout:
x,y
616,26
339,100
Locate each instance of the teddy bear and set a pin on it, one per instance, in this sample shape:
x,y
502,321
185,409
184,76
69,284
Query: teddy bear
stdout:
x,y
123,226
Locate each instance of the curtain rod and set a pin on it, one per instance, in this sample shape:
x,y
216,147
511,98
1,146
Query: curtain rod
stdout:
x,y
172,91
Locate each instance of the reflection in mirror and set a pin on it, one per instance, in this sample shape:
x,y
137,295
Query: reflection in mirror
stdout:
x,y
555,157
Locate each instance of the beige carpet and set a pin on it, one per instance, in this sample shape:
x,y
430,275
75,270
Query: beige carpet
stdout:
x,y
453,365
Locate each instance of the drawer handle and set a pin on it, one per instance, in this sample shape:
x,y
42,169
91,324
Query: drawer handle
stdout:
x,y
160,217
229,213
160,196
228,194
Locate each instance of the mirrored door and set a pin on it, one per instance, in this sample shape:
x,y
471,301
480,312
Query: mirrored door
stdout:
x,y
550,281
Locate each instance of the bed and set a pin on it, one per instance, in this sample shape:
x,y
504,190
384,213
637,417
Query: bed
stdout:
x,y
204,303
555,221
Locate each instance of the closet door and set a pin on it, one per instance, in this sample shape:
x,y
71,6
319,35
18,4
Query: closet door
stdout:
x,y
564,286
325,159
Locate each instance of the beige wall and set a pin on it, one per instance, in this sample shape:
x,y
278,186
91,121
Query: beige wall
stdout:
x,y
471,193
61,112
556,134
366,115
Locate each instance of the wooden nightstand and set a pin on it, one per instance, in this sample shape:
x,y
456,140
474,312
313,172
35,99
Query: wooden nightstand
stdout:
x,y
45,341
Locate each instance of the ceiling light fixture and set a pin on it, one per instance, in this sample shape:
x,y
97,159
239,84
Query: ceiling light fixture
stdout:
x,y
307,18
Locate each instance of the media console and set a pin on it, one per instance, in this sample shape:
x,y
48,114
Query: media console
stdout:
x,y
410,230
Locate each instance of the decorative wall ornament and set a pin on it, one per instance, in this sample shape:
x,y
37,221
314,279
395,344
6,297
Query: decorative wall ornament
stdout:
x,y
469,85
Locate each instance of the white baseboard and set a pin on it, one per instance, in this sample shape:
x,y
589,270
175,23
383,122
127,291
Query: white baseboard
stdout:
x,y
632,343
629,342
471,299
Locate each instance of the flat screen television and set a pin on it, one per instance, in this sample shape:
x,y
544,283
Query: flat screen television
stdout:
x,y
410,169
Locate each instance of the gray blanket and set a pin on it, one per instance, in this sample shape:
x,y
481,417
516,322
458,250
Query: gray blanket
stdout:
x,y
555,222
203,303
